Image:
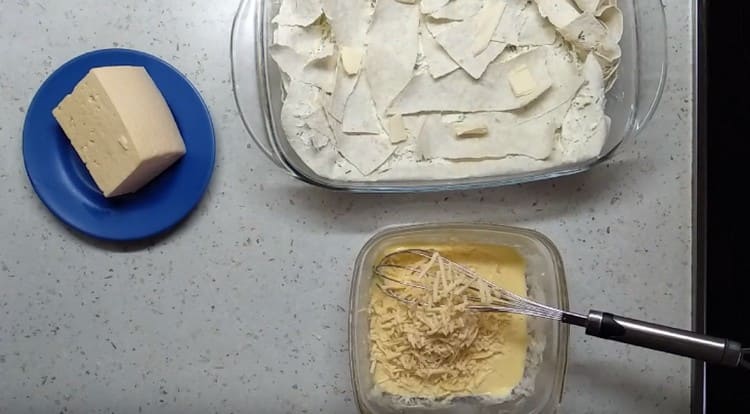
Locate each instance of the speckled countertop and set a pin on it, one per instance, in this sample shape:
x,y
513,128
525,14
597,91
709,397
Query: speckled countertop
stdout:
x,y
244,307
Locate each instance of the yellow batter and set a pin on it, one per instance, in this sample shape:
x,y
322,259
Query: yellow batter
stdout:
x,y
498,369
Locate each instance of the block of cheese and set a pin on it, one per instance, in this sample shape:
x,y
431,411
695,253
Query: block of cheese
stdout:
x,y
121,127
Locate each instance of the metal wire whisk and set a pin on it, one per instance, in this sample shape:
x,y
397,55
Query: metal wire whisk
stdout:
x,y
599,324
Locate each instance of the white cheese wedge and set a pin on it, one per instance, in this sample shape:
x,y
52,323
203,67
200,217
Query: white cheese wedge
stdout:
x,y
121,127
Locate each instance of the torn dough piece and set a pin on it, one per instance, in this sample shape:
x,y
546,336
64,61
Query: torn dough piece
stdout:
x,y
439,63
298,12
614,21
365,152
414,124
470,129
343,88
559,12
304,40
458,92
585,32
351,59
392,47
396,129
319,130
458,43
486,22
565,78
302,118
349,21
506,136
585,126
318,72
359,112
431,6
588,6
458,10
522,25
604,4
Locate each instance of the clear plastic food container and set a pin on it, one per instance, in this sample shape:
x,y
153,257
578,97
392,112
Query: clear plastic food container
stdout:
x,y
546,281
258,93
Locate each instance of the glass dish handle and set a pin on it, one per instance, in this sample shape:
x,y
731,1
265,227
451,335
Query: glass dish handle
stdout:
x,y
245,76
652,62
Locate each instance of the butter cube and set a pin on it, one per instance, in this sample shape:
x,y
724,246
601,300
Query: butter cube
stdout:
x,y
351,58
121,127
397,129
470,129
522,81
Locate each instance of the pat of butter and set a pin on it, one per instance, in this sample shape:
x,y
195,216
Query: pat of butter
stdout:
x,y
470,129
121,127
351,58
522,81
397,129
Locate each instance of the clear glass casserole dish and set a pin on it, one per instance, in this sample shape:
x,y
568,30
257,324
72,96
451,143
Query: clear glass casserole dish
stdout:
x,y
258,94
546,283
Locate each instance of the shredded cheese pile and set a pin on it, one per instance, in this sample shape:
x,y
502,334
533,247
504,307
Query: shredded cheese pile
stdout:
x,y
433,340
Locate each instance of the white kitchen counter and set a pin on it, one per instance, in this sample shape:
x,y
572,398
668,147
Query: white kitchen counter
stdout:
x,y
244,307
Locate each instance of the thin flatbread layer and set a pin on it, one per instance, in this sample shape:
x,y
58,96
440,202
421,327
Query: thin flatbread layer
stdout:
x,y
298,12
342,89
506,135
349,20
559,12
359,112
431,6
365,152
566,80
392,47
458,10
522,25
459,92
439,63
585,126
458,41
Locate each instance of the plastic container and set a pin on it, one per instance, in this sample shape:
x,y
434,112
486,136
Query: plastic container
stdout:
x,y
258,92
546,281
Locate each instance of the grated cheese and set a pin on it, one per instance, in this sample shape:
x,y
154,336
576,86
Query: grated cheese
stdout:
x,y
434,341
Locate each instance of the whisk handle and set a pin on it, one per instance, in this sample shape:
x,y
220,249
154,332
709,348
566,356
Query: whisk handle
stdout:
x,y
665,339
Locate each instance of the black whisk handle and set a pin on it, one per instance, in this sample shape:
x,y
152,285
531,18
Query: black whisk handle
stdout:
x,y
662,338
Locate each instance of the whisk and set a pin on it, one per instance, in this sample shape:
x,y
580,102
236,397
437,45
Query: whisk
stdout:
x,y
599,324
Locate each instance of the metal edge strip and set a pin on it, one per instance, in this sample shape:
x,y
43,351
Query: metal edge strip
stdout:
x,y
700,196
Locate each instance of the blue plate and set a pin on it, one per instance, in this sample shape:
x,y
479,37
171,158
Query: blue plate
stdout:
x,y
65,186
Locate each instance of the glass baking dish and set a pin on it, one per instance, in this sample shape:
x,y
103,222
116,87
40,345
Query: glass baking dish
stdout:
x,y
258,94
546,283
